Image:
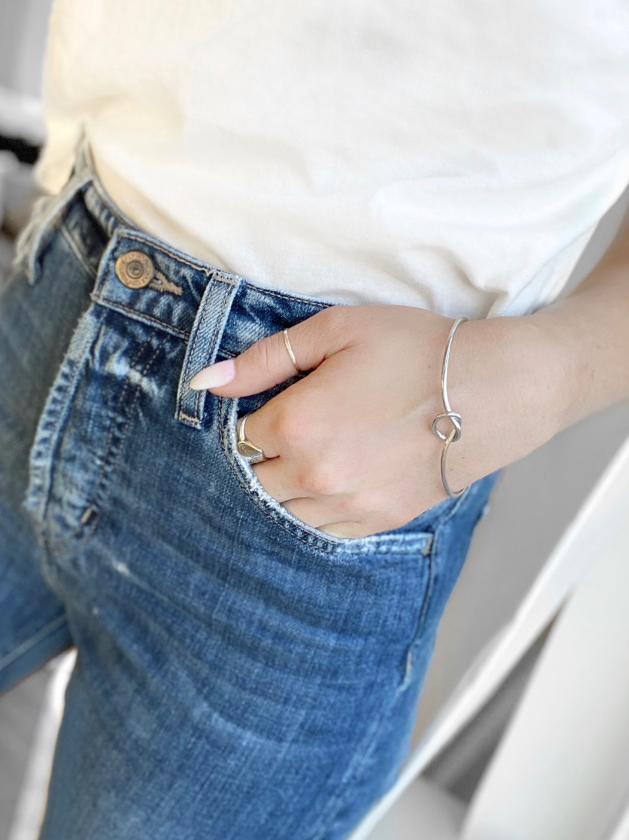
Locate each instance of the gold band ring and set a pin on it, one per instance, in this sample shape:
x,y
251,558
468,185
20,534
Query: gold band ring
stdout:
x,y
245,447
290,349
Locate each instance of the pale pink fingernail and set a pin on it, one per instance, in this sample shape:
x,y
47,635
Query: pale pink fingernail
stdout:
x,y
214,376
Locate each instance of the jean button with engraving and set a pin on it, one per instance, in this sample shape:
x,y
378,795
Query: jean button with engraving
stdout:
x,y
134,269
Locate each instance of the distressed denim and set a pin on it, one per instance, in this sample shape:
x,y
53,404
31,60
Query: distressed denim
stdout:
x,y
240,675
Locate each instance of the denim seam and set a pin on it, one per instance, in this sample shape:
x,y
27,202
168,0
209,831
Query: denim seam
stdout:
x,y
57,409
228,276
33,640
140,316
438,530
311,540
421,621
223,292
304,539
204,316
183,416
98,505
76,250
429,589
347,783
277,521
353,771
38,229
108,205
218,324
99,496
148,240
130,231
52,416
454,509
309,301
407,677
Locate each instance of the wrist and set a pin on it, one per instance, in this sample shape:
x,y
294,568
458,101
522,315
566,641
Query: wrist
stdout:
x,y
510,387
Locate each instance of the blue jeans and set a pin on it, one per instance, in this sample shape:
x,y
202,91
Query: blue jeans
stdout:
x,y
240,675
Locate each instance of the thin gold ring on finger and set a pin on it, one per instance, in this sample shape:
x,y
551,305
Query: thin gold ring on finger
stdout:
x,y
290,349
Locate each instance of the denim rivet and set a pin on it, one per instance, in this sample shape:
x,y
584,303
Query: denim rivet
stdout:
x,y
134,269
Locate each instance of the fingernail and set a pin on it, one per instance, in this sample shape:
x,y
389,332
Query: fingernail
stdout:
x,y
214,376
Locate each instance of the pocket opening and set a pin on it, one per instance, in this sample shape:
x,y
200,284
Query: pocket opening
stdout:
x,y
398,542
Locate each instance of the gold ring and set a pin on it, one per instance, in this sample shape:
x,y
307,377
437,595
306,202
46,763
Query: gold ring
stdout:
x,y
248,450
290,349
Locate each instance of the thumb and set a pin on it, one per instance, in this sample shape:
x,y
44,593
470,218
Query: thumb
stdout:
x,y
268,362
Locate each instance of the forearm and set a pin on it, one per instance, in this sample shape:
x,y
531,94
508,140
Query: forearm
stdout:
x,y
355,436
588,335
517,381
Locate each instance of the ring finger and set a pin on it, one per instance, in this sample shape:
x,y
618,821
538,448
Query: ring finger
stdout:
x,y
317,513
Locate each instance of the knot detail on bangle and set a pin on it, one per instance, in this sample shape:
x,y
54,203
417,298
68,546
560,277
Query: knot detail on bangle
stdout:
x,y
456,421
452,416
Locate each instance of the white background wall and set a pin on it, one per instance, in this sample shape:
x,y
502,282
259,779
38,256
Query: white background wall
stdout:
x,y
23,26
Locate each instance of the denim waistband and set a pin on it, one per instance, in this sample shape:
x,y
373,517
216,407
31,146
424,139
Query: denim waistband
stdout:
x,y
146,279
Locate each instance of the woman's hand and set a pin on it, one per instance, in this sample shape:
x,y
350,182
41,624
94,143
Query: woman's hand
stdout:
x,y
350,445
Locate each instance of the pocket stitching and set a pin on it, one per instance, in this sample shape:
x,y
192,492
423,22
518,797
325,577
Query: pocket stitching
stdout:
x,y
101,491
50,428
429,586
49,424
405,544
307,539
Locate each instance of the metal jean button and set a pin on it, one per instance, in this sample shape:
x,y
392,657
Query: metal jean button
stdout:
x,y
134,269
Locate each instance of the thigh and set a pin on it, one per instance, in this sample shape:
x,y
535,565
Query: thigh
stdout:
x,y
36,322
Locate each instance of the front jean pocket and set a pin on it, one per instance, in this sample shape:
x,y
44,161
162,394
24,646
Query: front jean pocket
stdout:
x,y
383,582
400,540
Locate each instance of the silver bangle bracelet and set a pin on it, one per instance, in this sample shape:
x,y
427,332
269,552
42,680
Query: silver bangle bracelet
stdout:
x,y
454,418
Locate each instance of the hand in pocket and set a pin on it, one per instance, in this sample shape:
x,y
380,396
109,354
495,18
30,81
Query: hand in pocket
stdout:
x,y
349,448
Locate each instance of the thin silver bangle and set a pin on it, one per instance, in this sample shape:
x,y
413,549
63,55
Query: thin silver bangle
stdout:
x,y
454,418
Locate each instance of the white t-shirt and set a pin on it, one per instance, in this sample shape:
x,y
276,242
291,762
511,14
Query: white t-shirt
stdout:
x,y
454,154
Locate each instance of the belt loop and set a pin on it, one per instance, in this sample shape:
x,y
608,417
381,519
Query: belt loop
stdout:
x,y
203,344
